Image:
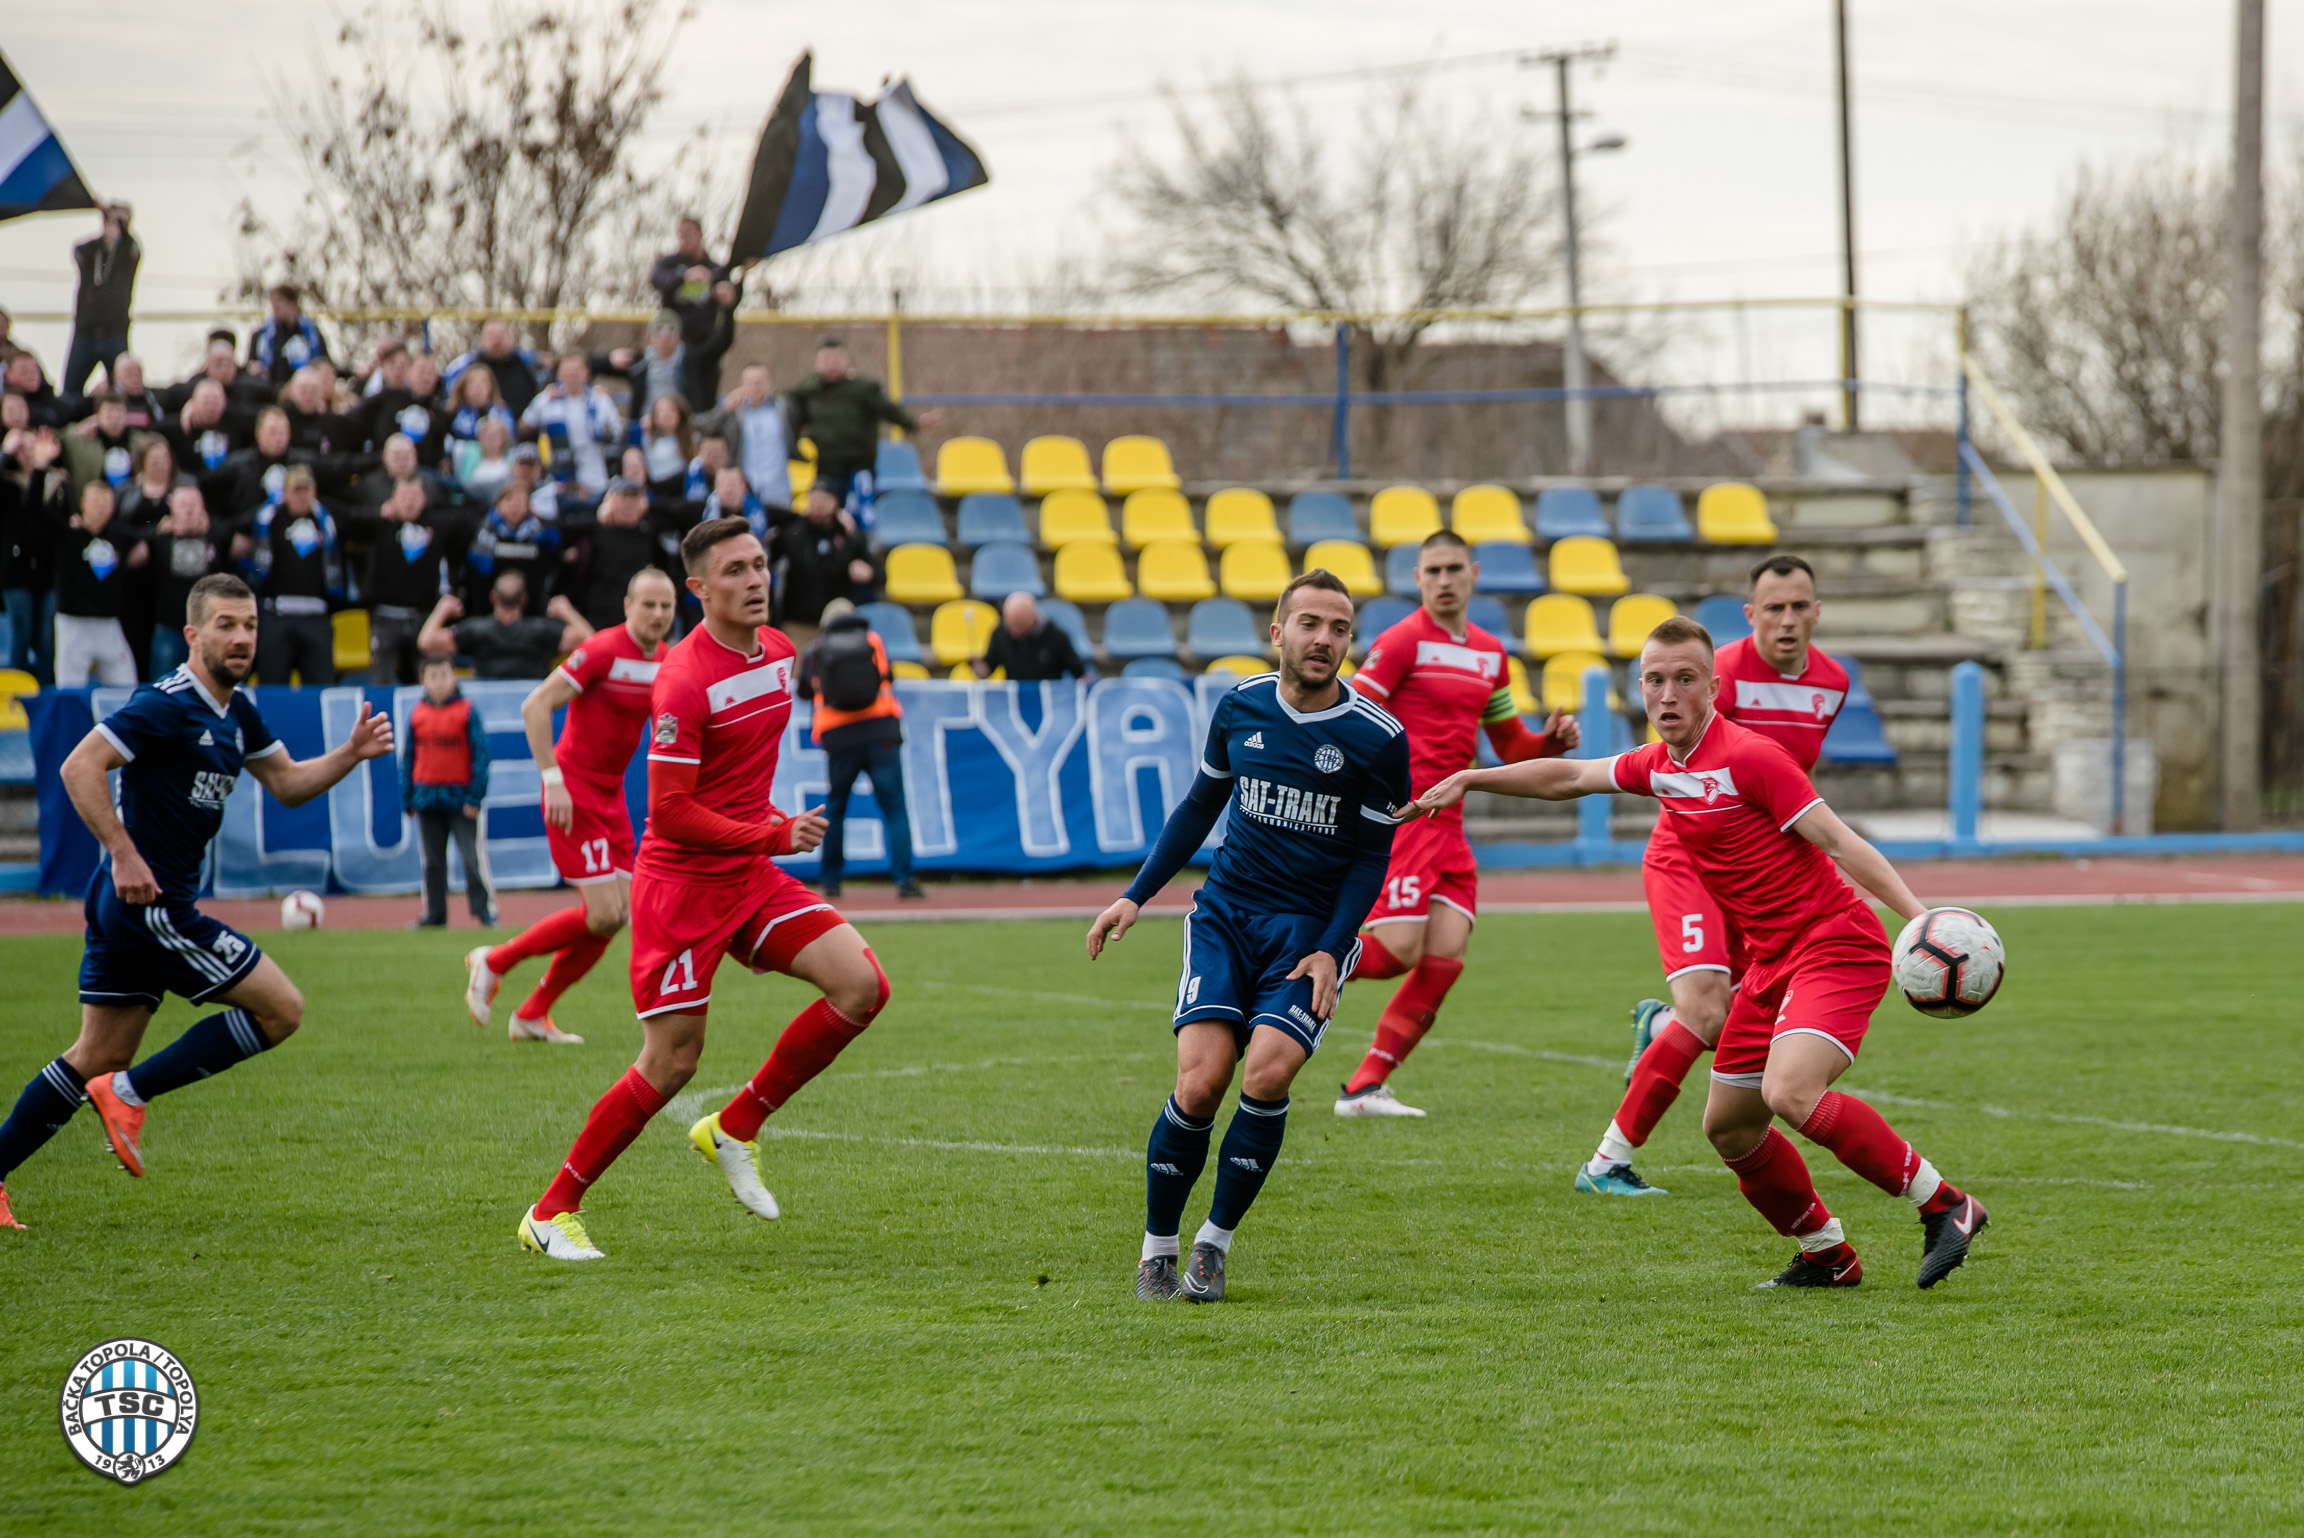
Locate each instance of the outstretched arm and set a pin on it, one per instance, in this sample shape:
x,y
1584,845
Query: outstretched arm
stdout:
x,y
1865,865
1540,779
292,782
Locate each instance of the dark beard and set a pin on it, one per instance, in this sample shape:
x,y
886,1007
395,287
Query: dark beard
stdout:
x,y
225,669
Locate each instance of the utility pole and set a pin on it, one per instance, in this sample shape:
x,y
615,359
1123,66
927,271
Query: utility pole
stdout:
x,y
2240,467
1573,372
1849,414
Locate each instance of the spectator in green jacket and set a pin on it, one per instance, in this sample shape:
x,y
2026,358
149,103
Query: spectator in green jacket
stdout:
x,y
843,411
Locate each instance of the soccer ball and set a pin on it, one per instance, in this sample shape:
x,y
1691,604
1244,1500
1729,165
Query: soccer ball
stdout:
x,y
302,910
1949,962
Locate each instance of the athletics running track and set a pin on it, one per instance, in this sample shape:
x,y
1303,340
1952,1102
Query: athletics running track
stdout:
x,y
1979,883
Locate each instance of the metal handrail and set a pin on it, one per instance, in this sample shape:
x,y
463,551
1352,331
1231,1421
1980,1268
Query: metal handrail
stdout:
x,y
2114,649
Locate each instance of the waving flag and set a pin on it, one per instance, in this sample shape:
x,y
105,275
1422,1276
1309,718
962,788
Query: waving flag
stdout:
x,y
828,162
36,176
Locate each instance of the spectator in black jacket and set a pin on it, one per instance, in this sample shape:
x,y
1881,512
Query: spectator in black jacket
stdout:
x,y
93,556
1029,647
107,262
245,481
296,566
184,550
125,378
411,541
220,364
609,546
31,478
21,376
700,291
287,341
207,429
826,557
507,641
518,372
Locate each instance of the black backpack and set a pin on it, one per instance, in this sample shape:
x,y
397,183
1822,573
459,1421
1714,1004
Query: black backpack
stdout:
x,y
846,671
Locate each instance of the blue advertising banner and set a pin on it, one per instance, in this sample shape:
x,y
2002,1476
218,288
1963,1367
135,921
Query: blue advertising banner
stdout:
x,y
999,778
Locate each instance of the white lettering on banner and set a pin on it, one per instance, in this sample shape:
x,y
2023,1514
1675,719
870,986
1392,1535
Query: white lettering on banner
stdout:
x,y
1137,725
631,670
1798,699
1036,758
1707,785
1446,654
752,684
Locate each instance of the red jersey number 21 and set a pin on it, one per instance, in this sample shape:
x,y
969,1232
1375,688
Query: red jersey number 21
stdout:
x,y
679,976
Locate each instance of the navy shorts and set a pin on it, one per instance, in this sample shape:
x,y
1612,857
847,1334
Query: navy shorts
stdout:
x,y
1236,968
136,954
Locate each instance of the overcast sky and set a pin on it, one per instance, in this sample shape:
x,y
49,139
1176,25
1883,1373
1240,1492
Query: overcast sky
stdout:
x,y
1971,116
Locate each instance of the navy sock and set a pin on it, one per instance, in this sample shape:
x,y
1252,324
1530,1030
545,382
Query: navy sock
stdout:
x,y
210,1046
1173,1159
41,1112
1251,1148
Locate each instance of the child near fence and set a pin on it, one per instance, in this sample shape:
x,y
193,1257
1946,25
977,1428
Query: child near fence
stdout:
x,y
443,781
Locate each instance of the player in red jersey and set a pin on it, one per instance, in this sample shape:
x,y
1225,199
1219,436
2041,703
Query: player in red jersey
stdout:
x,y
1443,678
705,886
606,684
1778,685
1817,962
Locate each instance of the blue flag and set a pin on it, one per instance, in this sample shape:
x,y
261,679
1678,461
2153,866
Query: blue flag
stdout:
x,y
828,162
36,176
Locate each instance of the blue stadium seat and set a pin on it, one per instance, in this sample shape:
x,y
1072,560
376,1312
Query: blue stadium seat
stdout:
x,y
1065,615
989,517
1003,569
1723,615
894,623
1855,672
1223,627
1652,515
1317,515
897,468
1156,667
904,517
1857,735
1378,615
1564,511
1138,627
1400,570
1490,616
1508,568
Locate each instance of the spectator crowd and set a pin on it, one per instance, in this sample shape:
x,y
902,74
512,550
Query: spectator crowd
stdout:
x,y
491,507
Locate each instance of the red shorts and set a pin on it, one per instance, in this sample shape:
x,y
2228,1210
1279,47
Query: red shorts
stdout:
x,y
598,844
680,930
1829,988
1692,934
1431,863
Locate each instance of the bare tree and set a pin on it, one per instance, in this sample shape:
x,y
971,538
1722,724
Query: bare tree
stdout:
x,y
1420,211
496,168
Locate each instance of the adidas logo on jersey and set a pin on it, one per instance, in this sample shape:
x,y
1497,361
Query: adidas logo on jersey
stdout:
x,y
1255,740
207,741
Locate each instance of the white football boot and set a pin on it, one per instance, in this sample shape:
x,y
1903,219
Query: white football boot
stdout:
x,y
543,1030
1375,1100
739,1162
480,985
560,1238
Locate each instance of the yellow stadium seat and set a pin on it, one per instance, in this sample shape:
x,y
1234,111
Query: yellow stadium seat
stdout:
x,y
15,683
922,574
1523,698
1055,463
1561,622
960,629
1138,463
1564,681
965,673
1485,513
1243,667
1349,561
911,670
971,464
1402,515
1733,513
1150,515
1255,570
1174,571
803,473
1346,669
351,626
1067,517
1089,571
1586,563
1237,514
1632,617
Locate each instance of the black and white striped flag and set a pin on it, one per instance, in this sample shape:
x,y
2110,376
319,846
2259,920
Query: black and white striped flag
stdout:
x,y
828,162
36,176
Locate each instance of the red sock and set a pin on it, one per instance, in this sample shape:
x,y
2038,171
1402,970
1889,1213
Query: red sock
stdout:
x,y
1656,1081
1376,960
615,1121
1407,1018
1774,1179
1861,1138
568,964
815,1037
553,932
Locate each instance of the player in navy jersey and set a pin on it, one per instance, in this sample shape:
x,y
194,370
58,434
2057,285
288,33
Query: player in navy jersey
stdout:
x,y
179,745
1313,773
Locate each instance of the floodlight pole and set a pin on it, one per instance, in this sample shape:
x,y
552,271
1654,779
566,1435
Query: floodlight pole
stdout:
x,y
1573,373
2240,457
1849,411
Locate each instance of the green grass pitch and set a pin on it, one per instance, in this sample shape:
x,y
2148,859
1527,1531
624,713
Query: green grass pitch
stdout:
x,y
1427,1330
